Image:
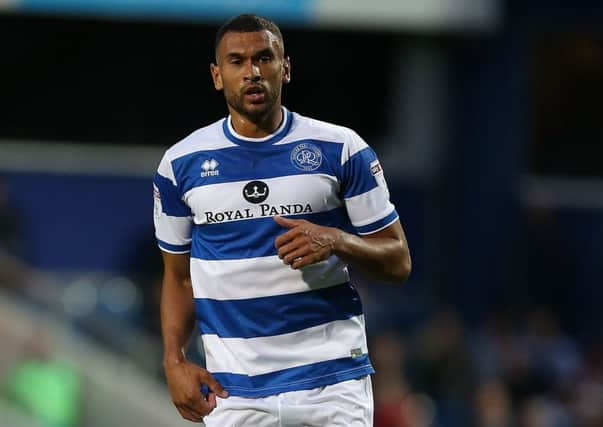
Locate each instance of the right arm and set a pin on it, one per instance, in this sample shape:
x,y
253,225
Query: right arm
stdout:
x,y
177,323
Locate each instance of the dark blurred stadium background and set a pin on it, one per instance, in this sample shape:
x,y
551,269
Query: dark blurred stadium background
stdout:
x,y
488,117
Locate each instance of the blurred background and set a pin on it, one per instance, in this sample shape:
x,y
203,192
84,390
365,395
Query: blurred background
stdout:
x,y
487,116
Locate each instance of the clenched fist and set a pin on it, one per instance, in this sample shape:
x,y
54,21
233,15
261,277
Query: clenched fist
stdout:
x,y
184,381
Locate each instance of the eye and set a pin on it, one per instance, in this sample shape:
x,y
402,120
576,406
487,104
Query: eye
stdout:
x,y
265,58
235,61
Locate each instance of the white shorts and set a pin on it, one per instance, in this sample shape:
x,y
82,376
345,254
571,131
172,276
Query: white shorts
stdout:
x,y
345,404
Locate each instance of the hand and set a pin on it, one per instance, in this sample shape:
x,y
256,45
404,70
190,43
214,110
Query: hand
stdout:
x,y
305,243
184,383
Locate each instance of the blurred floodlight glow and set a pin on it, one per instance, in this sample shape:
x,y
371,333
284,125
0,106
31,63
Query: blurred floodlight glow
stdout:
x,y
376,14
8,4
411,15
119,294
80,298
200,10
419,410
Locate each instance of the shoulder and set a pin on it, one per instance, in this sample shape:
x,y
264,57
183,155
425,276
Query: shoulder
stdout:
x,y
346,138
207,138
307,127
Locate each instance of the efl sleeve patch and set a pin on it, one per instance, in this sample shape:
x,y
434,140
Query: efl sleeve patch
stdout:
x,y
375,167
377,172
157,209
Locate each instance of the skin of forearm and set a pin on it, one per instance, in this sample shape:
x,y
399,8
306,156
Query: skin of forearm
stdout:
x,y
381,258
177,317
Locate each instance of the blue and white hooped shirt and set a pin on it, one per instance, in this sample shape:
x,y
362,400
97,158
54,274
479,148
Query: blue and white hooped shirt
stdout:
x,y
267,328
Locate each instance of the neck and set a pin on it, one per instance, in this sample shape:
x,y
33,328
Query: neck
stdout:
x,y
252,127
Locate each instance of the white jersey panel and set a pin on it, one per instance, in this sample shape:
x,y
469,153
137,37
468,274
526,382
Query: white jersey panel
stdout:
x,y
354,145
165,169
262,277
205,139
174,231
369,207
305,127
289,195
257,356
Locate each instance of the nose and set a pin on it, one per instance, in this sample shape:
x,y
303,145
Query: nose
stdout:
x,y
253,73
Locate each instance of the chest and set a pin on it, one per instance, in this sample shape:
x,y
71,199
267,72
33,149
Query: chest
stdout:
x,y
239,185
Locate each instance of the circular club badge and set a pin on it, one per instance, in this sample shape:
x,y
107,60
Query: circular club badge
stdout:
x,y
306,157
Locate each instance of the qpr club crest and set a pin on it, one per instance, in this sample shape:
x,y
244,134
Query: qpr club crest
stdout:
x,y
256,192
306,157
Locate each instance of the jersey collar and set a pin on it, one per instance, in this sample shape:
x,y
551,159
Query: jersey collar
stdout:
x,y
279,134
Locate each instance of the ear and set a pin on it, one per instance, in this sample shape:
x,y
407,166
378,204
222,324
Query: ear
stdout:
x,y
216,76
286,70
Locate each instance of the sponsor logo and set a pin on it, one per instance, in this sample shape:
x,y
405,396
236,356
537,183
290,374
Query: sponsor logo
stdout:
x,y
212,217
263,210
306,157
209,167
256,192
296,208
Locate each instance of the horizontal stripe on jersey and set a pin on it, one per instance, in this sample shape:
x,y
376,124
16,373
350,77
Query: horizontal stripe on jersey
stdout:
x,y
379,225
265,164
357,177
173,232
176,249
252,238
276,315
231,201
261,355
299,378
239,279
369,208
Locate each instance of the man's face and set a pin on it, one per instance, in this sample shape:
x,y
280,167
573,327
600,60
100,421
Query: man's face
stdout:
x,y
251,70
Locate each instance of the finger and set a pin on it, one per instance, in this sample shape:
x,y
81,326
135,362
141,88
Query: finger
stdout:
x,y
198,406
286,222
189,414
286,249
214,385
211,400
304,261
287,237
196,403
296,254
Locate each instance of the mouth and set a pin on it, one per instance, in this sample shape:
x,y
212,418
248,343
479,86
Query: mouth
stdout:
x,y
255,93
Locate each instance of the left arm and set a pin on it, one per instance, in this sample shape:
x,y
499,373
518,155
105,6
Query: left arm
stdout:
x,y
384,255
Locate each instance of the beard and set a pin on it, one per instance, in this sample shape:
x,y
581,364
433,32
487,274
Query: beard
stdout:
x,y
254,112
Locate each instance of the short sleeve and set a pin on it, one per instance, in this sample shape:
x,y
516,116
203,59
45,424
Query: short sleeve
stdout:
x,y
364,188
171,216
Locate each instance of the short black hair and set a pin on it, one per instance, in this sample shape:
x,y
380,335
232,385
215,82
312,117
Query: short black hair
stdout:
x,y
248,23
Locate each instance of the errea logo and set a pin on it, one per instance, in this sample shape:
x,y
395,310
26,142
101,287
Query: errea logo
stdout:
x,y
210,168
